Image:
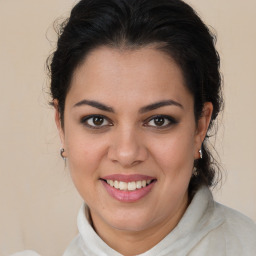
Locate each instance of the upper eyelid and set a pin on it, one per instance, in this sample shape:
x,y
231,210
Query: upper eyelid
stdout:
x,y
85,118
161,116
171,120
94,115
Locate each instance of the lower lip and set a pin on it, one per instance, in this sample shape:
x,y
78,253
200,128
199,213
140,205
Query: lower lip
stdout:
x,y
128,196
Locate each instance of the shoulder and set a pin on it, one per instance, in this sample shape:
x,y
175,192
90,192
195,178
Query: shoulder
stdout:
x,y
221,230
236,221
74,247
238,231
26,253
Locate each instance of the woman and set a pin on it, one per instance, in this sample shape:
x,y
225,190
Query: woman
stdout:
x,y
136,88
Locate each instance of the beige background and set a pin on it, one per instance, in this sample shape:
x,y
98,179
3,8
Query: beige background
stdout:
x,y
38,201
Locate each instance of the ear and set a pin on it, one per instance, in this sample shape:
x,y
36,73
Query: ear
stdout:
x,y
202,127
58,123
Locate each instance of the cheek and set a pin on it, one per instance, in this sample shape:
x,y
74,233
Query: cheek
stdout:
x,y
84,158
175,153
84,153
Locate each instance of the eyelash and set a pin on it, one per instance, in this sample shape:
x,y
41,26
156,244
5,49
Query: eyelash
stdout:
x,y
169,119
85,120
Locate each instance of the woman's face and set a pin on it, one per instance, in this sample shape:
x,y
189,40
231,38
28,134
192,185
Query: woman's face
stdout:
x,y
131,138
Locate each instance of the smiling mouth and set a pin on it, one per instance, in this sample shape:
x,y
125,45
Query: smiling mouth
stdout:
x,y
129,186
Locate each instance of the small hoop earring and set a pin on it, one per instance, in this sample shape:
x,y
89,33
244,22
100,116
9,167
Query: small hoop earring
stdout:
x,y
62,150
201,153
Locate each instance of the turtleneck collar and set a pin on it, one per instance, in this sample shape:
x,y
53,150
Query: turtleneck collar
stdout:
x,y
197,222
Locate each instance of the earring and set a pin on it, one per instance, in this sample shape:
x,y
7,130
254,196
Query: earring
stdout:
x,y
62,150
195,172
201,153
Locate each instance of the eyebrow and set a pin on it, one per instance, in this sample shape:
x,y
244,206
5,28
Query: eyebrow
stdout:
x,y
145,109
159,105
94,104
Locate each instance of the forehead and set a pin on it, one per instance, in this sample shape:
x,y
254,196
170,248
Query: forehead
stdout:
x,y
130,76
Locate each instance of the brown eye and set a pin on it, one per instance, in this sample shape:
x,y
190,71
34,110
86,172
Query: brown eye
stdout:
x,y
96,121
159,121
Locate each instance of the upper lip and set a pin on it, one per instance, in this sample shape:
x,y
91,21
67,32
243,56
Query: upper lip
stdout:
x,y
127,178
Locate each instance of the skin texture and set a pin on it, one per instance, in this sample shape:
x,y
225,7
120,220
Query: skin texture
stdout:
x,y
130,141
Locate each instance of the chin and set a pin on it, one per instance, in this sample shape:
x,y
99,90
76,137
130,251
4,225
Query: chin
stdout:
x,y
131,221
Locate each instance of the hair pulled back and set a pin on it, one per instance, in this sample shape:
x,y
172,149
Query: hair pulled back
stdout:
x,y
172,25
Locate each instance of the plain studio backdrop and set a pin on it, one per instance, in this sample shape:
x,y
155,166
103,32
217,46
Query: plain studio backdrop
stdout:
x,y
38,201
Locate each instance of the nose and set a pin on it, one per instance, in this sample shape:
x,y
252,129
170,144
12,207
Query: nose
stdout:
x,y
127,148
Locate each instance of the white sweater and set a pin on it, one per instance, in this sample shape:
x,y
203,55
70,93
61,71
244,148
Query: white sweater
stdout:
x,y
206,228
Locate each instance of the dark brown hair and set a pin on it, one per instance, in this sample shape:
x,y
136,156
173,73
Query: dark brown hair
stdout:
x,y
171,24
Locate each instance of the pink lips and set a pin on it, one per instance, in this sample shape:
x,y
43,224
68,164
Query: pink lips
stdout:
x,y
128,196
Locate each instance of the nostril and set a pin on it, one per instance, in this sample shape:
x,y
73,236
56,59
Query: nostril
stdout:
x,y
127,151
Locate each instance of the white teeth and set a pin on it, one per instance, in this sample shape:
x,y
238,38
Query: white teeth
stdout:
x,y
116,184
130,186
138,184
111,183
123,185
